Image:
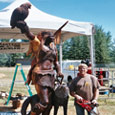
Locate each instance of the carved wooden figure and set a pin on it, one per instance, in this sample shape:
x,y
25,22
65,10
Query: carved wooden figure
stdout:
x,y
45,63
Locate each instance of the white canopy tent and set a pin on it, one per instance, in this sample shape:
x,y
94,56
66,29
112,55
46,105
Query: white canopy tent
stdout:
x,y
38,21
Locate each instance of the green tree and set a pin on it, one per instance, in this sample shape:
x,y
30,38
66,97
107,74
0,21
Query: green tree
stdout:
x,y
85,48
79,48
10,59
102,45
3,59
74,51
66,47
112,53
76,48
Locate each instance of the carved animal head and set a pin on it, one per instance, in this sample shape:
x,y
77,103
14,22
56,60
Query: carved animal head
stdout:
x,y
47,36
62,91
26,5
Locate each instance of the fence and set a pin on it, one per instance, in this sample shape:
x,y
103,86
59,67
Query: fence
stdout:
x,y
107,90
6,76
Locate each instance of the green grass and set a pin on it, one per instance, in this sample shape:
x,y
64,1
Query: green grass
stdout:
x,y
6,77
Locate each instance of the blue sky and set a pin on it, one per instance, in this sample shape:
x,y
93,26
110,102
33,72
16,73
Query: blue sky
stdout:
x,y
99,12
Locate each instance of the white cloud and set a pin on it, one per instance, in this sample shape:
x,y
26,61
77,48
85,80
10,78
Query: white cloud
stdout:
x,y
6,1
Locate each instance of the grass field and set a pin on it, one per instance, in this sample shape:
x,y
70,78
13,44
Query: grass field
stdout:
x,y
107,106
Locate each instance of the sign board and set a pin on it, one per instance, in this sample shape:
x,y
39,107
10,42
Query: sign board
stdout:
x,y
14,47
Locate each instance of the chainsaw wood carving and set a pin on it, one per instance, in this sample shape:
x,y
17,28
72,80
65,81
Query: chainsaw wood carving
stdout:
x,y
42,70
33,100
44,65
19,15
60,97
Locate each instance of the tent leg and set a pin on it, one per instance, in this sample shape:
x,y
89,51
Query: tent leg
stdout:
x,y
60,51
92,52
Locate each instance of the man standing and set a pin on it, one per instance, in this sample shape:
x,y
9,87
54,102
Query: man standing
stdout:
x,y
84,87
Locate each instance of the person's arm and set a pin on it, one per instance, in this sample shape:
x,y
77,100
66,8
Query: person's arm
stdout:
x,y
44,47
56,63
96,86
77,97
73,90
25,30
30,35
57,67
96,95
58,70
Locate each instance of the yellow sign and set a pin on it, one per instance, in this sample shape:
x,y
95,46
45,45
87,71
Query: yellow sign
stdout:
x,y
71,67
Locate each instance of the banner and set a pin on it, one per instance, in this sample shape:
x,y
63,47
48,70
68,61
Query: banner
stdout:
x,y
14,47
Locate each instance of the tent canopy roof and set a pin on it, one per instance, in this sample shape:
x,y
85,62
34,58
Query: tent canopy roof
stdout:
x,y
38,21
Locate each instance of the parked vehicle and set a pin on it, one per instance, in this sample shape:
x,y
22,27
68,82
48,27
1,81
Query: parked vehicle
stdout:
x,y
70,68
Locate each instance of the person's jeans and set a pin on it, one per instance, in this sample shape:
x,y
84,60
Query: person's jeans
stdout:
x,y
81,111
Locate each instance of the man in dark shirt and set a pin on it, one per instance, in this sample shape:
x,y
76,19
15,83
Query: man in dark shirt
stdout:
x,y
84,86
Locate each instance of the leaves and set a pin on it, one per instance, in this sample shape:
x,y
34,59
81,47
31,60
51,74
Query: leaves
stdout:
x,y
78,48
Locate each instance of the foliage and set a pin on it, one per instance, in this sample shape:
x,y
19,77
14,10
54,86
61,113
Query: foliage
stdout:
x,y
78,48
112,53
3,59
10,59
102,45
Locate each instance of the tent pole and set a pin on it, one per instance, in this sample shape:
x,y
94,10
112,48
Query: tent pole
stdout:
x,y
92,52
60,51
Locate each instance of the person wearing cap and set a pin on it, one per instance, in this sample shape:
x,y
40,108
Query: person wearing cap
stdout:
x,y
84,87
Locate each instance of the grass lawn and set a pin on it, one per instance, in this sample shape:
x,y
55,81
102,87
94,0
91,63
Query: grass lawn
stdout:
x,y
107,106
